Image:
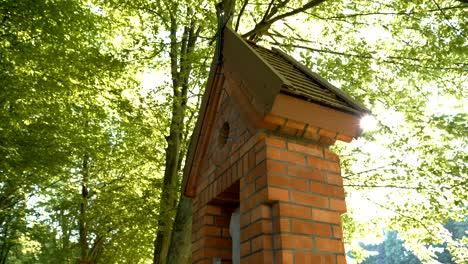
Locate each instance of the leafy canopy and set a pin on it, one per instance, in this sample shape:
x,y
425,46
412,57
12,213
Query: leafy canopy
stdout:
x,y
71,91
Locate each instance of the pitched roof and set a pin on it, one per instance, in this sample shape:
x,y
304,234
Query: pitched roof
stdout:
x,y
263,73
305,84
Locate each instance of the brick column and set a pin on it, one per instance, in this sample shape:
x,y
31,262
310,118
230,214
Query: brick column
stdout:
x,y
218,196
210,234
291,203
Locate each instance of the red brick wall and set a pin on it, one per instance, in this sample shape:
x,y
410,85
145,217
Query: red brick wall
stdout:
x,y
218,184
210,234
288,186
291,204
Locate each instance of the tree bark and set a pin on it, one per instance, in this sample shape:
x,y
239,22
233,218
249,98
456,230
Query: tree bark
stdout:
x,y
5,246
180,250
180,71
82,221
169,192
65,226
262,27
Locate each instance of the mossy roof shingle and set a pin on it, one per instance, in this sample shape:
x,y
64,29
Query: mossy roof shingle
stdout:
x,y
305,84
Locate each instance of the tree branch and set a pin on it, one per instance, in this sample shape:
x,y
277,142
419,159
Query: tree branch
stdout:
x,y
265,16
275,8
186,67
370,170
389,186
263,26
241,12
399,213
404,13
447,19
158,14
392,59
173,54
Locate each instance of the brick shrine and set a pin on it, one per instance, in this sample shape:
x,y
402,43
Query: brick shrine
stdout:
x,y
261,144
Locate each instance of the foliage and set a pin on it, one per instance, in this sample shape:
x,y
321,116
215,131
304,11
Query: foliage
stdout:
x,y
69,98
418,147
406,61
392,249
87,151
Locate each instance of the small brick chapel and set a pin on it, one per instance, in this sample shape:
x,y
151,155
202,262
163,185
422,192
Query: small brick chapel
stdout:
x,y
265,187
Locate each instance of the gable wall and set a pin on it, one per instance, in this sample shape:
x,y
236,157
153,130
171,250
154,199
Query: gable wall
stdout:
x,y
223,167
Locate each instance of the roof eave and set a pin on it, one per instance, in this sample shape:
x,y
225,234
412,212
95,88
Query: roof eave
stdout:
x,y
324,82
196,135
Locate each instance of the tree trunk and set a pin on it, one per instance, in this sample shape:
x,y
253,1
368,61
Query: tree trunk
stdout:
x,y
65,226
180,251
5,246
181,66
96,250
169,191
83,228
